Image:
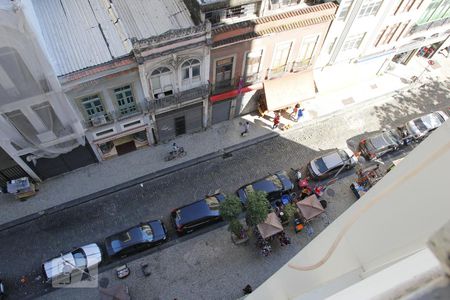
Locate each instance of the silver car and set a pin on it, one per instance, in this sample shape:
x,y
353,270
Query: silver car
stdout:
x,y
330,163
78,261
418,128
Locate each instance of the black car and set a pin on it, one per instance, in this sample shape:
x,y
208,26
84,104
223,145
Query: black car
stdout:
x,y
137,238
200,213
379,144
275,186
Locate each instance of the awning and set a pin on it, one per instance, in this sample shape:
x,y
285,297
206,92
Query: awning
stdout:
x,y
289,90
234,93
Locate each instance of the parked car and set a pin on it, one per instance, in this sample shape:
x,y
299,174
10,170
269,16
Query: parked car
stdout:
x,y
135,239
326,165
419,127
79,260
274,185
200,213
379,144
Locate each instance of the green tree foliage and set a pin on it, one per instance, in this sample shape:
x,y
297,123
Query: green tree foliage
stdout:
x,y
230,208
257,208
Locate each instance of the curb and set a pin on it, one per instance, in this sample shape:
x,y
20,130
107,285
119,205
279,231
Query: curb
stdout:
x,y
138,180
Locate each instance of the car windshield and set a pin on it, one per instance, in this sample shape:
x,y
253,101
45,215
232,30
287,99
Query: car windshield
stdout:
x,y
147,232
80,259
249,189
321,166
212,203
124,237
344,156
276,181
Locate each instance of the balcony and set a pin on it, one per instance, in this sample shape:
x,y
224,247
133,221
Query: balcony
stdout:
x,y
115,115
253,78
303,65
224,86
276,72
179,98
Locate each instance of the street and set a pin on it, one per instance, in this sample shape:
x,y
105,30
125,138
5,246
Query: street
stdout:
x,y
25,247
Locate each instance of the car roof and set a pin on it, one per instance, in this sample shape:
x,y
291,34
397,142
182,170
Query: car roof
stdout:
x,y
197,210
332,160
55,266
382,140
134,236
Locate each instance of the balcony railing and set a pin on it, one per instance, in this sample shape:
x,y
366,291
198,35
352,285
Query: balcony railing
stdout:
x,y
224,86
276,72
115,115
179,98
298,66
253,78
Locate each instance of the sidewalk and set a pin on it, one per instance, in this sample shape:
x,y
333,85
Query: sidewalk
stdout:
x,y
109,176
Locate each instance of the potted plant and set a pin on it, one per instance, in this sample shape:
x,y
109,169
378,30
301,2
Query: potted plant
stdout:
x,y
230,209
257,208
289,212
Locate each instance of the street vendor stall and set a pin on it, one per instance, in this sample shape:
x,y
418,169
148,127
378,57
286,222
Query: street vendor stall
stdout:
x,y
270,227
310,207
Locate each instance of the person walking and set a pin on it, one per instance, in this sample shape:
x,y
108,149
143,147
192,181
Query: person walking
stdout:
x,y
276,121
246,128
299,113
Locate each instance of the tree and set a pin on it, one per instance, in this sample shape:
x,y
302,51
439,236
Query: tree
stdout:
x,y
230,209
257,208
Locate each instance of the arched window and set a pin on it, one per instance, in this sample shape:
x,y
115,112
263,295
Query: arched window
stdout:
x,y
161,82
190,71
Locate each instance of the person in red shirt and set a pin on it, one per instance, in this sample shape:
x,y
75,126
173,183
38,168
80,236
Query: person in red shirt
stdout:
x,y
276,121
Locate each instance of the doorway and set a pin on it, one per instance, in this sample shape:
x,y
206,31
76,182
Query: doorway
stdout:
x,y
180,125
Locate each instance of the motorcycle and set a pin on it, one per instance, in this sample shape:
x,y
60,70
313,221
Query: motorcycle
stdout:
x,y
176,154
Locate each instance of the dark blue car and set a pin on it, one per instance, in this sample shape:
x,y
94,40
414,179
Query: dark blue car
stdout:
x,y
137,238
275,186
200,213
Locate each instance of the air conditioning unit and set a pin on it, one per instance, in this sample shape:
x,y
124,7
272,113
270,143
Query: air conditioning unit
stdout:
x,y
98,120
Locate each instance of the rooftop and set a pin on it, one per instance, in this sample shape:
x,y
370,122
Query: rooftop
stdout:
x,y
84,33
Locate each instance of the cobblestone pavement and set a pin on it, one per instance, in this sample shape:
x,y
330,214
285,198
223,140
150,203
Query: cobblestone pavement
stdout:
x,y
205,266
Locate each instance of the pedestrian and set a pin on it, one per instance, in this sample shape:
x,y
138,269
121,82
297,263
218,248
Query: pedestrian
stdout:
x,y
276,121
246,128
299,113
294,113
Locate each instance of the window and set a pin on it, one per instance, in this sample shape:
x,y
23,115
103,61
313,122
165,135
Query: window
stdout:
x,y
93,106
190,71
369,8
379,36
161,82
391,32
280,57
274,4
224,68
233,12
402,30
353,42
252,66
49,118
147,232
307,50
345,8
125,100
214,16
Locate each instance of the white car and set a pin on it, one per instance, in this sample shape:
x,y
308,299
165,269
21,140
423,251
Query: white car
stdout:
x,y
80,260
420,127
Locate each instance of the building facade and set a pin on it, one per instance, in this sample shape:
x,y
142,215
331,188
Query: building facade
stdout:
x,y
38,125
377,32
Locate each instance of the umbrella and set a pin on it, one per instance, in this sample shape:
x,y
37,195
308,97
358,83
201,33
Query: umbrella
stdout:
x,y
310,207
270,226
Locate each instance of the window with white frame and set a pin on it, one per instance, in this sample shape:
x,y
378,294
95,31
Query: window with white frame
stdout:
x,y
369,8
125,100
307,50
345,8
161,82
353,42
274,4
190,71
92,106
252,65
224,69
281,56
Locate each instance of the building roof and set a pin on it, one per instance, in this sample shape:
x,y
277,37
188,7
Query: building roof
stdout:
x,y
84,33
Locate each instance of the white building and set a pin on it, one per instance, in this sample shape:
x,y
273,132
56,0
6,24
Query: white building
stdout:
x,y
37,122
372,33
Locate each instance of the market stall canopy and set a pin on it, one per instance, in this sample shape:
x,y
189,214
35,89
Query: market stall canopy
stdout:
x,y
310,207
289,90
271,226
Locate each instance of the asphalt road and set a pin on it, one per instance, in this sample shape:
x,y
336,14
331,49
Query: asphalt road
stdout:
x,y
25,247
